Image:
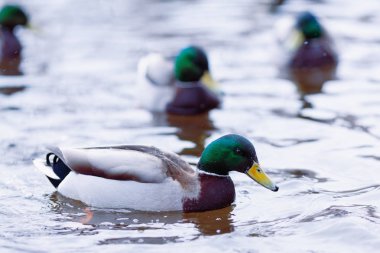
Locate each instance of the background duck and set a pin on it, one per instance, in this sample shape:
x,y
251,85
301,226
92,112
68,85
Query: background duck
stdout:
x,y
312,58
11,16
149,179
196,92
156,79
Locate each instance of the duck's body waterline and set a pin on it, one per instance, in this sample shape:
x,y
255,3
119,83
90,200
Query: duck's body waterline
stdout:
x,y
311,58
149,179
162,197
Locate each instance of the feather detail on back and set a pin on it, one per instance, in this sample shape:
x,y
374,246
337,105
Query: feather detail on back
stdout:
x,y
136,163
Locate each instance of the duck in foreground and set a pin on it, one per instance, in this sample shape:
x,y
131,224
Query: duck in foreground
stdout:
x,y
11,16
146,178
183,86
313,60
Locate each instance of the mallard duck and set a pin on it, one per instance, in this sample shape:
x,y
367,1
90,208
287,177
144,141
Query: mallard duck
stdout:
x,y
312,59
196,92
149,179
10,53
157,81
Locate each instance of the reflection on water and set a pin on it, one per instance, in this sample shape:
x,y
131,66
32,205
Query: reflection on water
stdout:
x,y
306,104
301,173
195,129
212,222
141,240
192,128
332,212
353,192
377,158
287,142
207,223
10,90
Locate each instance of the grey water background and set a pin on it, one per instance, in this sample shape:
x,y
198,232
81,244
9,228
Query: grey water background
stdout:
x,y
80,66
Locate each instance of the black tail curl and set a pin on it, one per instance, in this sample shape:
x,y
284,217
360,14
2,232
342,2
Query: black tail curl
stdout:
x,y
59,168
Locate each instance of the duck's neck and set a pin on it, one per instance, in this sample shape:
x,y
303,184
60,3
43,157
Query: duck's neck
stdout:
x,y
192,84
215,192
207,173
212,166
7,28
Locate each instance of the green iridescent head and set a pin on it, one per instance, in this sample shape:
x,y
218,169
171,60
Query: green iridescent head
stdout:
x,y
13,15
309,25
234,153
190,64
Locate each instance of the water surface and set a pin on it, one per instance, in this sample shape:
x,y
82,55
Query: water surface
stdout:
x,y
79,90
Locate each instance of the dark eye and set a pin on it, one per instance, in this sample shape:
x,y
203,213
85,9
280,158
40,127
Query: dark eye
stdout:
x,y
238,151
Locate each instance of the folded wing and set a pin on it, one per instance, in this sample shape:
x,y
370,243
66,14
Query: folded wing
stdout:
x,y
138,163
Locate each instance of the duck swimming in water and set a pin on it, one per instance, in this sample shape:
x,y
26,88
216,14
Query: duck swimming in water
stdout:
x,y
149,179
11,16
196,92
163,80
312,58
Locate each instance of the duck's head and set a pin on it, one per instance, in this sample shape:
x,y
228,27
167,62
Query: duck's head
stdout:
x,y
309,25
13,15
234,153
191,65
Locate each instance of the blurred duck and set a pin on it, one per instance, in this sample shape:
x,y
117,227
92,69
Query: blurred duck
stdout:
x,y
11,16
156,82
183,86
148,179
312,59
196,92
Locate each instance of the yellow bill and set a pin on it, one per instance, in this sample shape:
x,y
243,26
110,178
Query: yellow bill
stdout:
x,y
296,38
257,174
210,83
33,28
